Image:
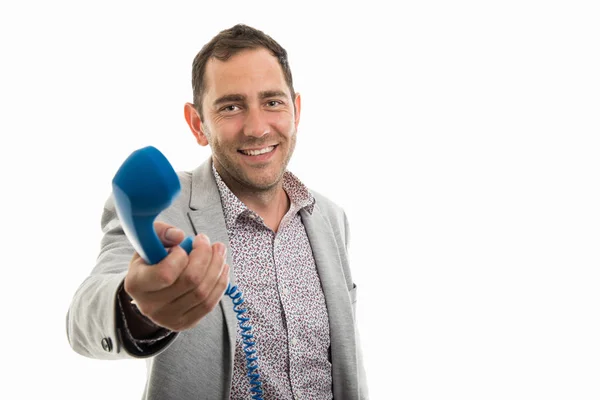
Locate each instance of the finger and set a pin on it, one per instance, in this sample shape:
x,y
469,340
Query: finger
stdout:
x,y
199,293
169,235
213,272
219,289
200,240
143,279
191,317
198,265
199,261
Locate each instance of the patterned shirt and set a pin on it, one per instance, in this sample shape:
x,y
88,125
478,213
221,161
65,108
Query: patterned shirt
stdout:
x,y
277,275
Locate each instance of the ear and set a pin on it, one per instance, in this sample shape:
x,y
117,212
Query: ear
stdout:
x,y
195,123
298,103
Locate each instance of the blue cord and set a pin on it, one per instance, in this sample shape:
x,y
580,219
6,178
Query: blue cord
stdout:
x,y
251,359
138,200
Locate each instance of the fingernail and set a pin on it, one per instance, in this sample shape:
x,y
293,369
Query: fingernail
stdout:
x,y
204,237
222,249
173,233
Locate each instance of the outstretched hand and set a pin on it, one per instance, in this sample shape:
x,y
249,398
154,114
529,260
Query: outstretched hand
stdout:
x,y
181,289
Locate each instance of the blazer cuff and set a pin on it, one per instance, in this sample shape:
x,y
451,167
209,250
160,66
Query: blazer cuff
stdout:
x,y
140,347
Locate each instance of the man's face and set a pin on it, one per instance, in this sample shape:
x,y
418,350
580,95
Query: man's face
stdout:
x,y
249,119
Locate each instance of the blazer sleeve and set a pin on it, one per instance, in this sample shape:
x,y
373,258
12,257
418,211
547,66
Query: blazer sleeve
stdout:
x,y
94,321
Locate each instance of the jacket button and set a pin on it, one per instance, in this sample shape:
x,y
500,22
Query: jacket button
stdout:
x,y
107,344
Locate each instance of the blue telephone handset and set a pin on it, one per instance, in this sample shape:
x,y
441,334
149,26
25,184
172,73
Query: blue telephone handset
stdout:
x,y
145,185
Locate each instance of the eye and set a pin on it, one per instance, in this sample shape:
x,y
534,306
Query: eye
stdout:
x,y
230,108
274,103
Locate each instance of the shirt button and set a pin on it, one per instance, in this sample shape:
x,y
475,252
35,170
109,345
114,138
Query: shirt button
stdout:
x,y
284,291
294,341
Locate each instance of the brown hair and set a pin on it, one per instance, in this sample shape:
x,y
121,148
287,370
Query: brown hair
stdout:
x,y
228,43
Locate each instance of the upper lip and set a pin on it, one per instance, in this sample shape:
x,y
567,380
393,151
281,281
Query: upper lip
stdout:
x,y
259,148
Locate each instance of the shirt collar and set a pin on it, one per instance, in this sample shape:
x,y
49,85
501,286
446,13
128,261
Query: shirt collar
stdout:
x,y
234,208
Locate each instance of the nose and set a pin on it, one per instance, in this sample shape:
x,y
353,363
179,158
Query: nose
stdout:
x,y
256,123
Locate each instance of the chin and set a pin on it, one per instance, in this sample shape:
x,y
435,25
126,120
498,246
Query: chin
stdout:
x,y
264,181
263,184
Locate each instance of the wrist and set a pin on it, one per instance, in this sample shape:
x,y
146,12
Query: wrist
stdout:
x,y
140,326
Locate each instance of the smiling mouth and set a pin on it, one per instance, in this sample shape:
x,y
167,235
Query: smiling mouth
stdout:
x,y
258,152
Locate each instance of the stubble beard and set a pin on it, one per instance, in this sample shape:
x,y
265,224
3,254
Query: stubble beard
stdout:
x,y
229,170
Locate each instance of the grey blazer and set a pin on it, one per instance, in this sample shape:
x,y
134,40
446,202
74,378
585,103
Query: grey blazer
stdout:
x,y
198,363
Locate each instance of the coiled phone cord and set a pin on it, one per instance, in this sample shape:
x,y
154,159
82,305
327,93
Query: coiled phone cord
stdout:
x,y
139,197
246,328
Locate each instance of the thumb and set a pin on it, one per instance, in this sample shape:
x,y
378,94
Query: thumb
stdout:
x,y
169,235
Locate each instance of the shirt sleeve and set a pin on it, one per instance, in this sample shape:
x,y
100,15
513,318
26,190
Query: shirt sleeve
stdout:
x,y
140,346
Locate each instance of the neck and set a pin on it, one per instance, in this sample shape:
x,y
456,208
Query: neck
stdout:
x,y
271,204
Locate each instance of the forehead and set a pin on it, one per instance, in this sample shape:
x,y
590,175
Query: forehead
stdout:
x,y
247,72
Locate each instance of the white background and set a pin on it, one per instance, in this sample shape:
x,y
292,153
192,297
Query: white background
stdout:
x,y
462,138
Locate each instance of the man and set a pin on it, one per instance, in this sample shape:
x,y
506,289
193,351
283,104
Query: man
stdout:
x,y
253,223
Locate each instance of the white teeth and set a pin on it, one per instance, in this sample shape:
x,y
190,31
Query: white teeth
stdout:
x,y
258,152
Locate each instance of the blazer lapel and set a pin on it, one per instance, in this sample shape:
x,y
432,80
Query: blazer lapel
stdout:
x,y
207,217
339,307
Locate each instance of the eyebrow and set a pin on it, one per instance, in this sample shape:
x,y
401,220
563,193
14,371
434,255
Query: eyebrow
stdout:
x,y
240,97
271,93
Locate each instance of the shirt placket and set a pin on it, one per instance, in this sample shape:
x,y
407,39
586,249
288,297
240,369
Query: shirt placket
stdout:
x,y
288,304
